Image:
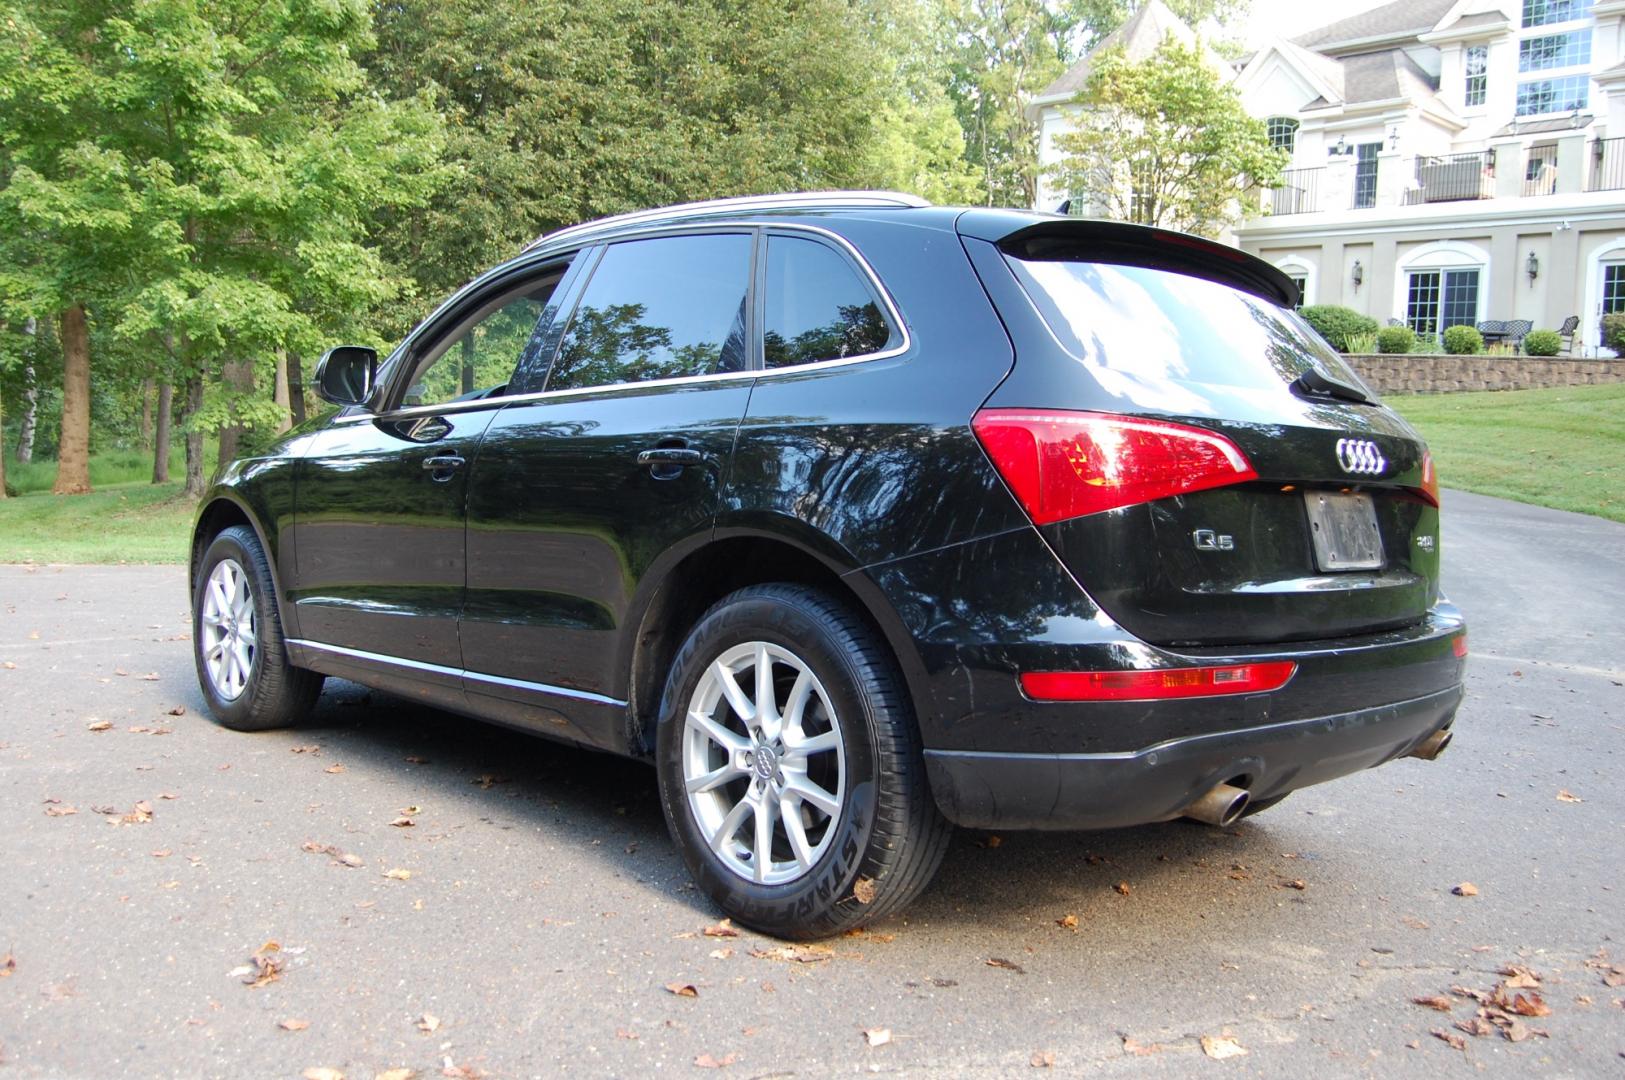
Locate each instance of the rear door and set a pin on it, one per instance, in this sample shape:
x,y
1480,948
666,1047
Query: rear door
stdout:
x,y
617,461
1332,535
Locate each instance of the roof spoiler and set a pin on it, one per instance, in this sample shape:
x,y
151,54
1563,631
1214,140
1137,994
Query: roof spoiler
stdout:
x,y
1118,242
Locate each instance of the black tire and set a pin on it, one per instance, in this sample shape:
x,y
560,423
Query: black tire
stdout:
x,y
274,693
888,839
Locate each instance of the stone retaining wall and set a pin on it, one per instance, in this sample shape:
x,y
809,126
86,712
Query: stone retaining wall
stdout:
x,y
1412,374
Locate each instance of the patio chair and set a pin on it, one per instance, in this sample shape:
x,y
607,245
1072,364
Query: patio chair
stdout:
x,y
1516,329
1492,331
1567,330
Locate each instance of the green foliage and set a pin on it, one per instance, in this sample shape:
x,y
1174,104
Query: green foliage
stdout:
x,y
1363,344
1338,325
1463,340
1613,332
1396,339
1543,343
1097,18
1165,142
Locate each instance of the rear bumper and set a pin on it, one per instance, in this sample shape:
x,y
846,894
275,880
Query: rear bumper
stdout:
x,y
984,789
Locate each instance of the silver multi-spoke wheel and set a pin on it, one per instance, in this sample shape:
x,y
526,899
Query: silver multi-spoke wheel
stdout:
x,y
764,765
227,626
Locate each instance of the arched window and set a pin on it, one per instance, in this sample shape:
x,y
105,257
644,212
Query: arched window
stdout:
x,y
1283,132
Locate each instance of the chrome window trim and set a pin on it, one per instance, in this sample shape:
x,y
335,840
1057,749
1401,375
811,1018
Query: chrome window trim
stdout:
x,y
838,240
441,669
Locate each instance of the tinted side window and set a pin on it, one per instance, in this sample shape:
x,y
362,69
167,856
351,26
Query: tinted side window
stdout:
x,y
482,357
659,309
818,308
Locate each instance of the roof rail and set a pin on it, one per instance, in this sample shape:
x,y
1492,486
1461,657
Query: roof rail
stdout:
x,y
740,204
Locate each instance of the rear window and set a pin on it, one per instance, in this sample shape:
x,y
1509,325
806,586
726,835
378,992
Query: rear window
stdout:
x,y
1146,333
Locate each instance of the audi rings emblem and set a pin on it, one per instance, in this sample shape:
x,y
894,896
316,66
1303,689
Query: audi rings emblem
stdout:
x,y
1360,456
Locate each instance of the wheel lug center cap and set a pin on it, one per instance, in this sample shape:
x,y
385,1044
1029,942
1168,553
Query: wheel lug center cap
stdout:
x,y
764,762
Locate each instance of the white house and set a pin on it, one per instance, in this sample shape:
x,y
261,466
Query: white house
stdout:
x,y
1453,161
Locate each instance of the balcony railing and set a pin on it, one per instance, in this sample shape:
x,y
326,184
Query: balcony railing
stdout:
x,y
1607,165
1452,178
1298,193
1540,171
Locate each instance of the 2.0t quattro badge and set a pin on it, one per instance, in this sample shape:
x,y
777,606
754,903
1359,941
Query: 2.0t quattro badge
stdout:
x,y
1360,456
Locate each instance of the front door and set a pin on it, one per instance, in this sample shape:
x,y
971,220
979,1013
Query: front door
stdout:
x,y
379,515
619,460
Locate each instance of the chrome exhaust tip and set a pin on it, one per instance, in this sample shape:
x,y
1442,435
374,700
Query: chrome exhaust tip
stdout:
x,y
1221,806
1431,747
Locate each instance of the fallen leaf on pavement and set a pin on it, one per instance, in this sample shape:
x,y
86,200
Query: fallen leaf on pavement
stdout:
x,y
487,780
1615,977
1532,1005
1008,965
1520,978
682,989
398,874
60,809
403,823
98,725
8,965
161,853
877,1036
9,666
395,1074
1067,922
179,710
1455,1041
414,760
1466,888
1042,1059
864,890
322,1072
720,954
151,676
1477,1027
1296,883
294,1025
725,928
1414,923
1139,1049
706,1061
335,769
1219,1047
429,1023
1564,795
800,954
267,967
1122,888
1436,1001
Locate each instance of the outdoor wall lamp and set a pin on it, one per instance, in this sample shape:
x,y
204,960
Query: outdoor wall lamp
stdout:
x,y
1393,137
1532,268
1359,274
1341,148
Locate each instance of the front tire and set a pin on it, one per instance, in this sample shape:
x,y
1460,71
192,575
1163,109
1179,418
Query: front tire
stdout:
x,y
790,766
237,644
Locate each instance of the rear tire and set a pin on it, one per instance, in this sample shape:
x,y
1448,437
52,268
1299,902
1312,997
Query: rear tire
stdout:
x,y
237,644
813,816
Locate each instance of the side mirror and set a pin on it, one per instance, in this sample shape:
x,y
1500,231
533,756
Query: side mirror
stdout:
x,y
345,374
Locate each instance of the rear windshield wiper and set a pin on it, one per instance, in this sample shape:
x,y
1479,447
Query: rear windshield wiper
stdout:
x,y
1317,384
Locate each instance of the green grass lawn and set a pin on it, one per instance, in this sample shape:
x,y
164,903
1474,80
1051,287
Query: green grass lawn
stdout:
x,y
129,522
1563,448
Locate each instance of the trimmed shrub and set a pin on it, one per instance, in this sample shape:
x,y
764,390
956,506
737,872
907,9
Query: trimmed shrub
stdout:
x,y
1462,340
1543,343
1613,332
1338,324
1396,339
1363,344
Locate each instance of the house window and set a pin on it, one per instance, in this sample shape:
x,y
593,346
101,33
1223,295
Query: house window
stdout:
x,y
1283,132
1478,61
1553,95
1302,282
1546,12
1613,287
1437,299
1555,51
1365,175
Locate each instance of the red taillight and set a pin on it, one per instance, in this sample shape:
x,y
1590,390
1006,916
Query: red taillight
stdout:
x,y
1459,646
1430,479
1166,683
1066,464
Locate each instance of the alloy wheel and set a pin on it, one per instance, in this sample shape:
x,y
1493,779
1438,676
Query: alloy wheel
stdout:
x,y
228,629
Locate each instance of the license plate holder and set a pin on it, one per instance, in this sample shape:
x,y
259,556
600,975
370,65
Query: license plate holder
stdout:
x,y
1344,528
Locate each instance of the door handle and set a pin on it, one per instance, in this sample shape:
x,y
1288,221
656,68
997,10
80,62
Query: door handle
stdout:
x,y
442,465
678,456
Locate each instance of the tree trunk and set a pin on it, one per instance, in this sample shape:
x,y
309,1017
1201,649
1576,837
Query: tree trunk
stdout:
x,y
30,420
2,453
279,394
73,452
238,375
146,413
296,387
194,439
160,434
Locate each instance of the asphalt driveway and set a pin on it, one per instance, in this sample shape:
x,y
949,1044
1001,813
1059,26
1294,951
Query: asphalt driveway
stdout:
x,y
530,918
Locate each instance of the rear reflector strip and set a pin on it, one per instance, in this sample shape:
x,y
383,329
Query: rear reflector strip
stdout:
x,y
1459,646
1150,685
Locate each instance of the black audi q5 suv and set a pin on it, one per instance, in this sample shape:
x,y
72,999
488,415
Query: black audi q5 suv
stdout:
x,y
858,518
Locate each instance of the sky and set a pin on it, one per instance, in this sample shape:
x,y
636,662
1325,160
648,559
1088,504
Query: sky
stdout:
x,y
1288,18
